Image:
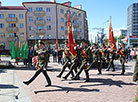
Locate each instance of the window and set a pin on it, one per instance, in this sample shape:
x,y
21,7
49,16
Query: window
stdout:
x,y
21,35
30,28
79,15
79,22
21,16
75,29
39,18
2,35
48,27
62,36
40,27
30,9
62,19
48,36
30,19
80,30
74,21
2,25
12,25
12,35
62,11
74,13
39,9
21,25
47,9
11,15
62,28
1,16
48,18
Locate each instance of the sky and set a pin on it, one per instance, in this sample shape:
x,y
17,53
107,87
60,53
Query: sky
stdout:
x,y
98,12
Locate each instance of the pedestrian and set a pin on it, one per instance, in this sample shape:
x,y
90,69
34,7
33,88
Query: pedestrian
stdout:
x,y
41,53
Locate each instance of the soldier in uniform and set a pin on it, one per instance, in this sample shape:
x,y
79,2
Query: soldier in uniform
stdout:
x,y
67,60
111,58
76,61
103,54
135,75
41,53
95,58
86,57
123,55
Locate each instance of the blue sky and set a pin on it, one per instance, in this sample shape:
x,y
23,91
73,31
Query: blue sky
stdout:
x,y
98,11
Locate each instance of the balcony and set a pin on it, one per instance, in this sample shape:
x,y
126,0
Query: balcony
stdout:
x,y
75,25
40,31
39,13
12,20
75,18
10,39
40,23
12,29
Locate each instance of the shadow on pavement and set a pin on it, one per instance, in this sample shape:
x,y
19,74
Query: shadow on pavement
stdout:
x,y
7,86
101,81
67,89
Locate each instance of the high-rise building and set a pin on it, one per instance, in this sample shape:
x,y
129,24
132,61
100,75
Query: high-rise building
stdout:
x,y
48,21
132,19
12,24
123,32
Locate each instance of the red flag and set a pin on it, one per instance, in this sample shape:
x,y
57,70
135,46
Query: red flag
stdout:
x,y
56,45
111,40
70,37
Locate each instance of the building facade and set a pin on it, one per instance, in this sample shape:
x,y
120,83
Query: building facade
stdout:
x,y
132,23
48,21
12,24
123,32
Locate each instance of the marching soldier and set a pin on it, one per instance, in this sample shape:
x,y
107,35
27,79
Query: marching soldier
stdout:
x,y
76,61
41,53
86,57
135,75
111,58
67,60
95,58
103,53
123,57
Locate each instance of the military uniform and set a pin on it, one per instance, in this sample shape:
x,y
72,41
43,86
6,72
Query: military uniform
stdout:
x,y
67,61
95,60
86,57
135,75
41,53
111,58
123,57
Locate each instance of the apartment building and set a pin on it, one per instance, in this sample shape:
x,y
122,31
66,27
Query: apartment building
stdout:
x,y
12,24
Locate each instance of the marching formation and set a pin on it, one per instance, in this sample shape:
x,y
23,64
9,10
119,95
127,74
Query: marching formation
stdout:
x,y
85,58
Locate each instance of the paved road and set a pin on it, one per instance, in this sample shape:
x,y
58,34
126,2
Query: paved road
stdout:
x,y
109,87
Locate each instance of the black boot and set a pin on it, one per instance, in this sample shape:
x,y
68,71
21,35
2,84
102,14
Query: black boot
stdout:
x,y
26,82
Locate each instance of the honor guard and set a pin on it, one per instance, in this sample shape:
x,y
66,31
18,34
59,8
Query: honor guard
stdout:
x,y
41,54
122,52
67,60
111,57
96,58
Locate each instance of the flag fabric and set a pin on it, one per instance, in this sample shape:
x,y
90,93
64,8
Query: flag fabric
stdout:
x,y
12,50
17,47
111,40
25,50
56,44
70,37
117,44
128,42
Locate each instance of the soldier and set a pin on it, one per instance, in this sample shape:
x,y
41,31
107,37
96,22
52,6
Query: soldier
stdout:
x,y
135,75
67,60
76,61
122,52
86,57
41,53
95,58
111,58
103,54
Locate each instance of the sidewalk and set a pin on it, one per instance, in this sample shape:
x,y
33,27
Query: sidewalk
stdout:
x,y
109,87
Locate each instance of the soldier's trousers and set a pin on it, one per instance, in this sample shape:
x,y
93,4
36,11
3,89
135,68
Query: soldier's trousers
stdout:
x,y
66,64
111,63
83,66
95,63
122,60
73,67
39,70
135,75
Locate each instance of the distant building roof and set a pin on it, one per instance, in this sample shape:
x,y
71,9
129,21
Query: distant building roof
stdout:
x,y
13,8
